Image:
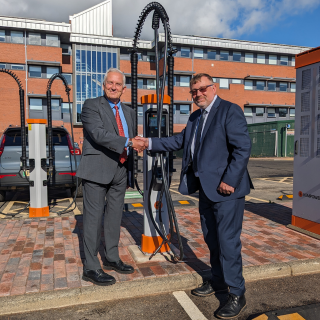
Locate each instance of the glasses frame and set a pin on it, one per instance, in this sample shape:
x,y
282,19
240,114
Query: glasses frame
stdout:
x,y
201,89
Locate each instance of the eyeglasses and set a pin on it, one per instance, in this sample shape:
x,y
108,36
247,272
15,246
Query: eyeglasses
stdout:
x,y
201,89
118,85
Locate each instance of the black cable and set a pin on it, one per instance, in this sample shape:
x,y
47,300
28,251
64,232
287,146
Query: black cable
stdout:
x,y
51,153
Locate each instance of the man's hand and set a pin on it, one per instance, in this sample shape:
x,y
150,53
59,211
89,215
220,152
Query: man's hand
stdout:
x,y
144,140
225,188
138,145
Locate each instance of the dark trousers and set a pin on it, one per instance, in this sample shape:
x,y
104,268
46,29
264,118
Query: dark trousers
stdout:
x,y
221,224
99,200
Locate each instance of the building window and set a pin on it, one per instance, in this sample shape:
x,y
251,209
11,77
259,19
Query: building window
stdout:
x,y
35,72
140,111
261,58
224,83
283,112
248,84
284,60
140,83
68,77
151,56
272,86
259,112
55,104
174,109
184,81
52,40
236,81
293,61
198,53
293,87
260,85
66,49
283,86
151,84
184,109
185,52
35,104
292,112
271,112
2,36
272,59
16,36
17,67
2,66
248,57
212,54
51,71
236,56
224,55
248,112
65,107
34,39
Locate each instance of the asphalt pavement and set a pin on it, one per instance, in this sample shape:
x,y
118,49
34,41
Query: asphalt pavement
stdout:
x,y
266,300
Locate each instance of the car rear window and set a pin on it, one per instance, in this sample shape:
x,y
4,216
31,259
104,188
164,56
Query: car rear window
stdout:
x,y
13,138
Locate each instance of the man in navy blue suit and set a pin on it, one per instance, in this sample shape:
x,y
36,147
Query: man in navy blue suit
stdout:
x,y
216,151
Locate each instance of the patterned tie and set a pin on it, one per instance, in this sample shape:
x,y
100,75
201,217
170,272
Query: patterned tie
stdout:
x,y
198,139
123,156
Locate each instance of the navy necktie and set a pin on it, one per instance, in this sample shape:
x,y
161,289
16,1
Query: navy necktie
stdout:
x,y
198,139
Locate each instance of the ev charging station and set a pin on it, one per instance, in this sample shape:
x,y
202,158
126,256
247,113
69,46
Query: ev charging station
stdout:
x,y
160,222
38,168
306,176
152,184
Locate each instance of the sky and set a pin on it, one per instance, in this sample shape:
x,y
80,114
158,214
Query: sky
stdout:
x,y
289,22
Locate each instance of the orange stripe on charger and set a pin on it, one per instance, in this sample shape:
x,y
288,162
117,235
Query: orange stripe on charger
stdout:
x,y
151,244
37,121
152,98
306,224
38,212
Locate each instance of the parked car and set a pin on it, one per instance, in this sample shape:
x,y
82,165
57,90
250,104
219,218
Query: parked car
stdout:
x,y
11,178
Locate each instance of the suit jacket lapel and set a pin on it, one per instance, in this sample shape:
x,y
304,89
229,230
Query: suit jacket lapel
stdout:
x,y
194,125
107,108
128,119
211,115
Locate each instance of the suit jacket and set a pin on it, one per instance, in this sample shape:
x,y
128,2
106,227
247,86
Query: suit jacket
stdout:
x,y
223,152
102,144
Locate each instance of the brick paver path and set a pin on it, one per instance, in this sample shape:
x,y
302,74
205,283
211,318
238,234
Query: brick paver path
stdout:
x,y
45,254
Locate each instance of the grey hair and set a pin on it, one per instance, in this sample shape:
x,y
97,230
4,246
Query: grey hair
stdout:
x,y
114,70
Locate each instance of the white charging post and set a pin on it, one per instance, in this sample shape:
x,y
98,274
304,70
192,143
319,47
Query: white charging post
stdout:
x,y
151,240
37,168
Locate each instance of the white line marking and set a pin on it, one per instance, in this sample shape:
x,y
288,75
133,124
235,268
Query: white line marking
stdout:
x,y
193,198
189,307
10,204
248,198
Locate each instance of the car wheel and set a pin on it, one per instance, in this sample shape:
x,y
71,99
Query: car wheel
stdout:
x,y
79,191
2,196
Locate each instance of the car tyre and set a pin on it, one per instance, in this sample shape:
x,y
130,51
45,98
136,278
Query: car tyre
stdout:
x,y
2,196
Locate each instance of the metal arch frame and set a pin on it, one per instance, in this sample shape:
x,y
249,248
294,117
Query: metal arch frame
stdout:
x,y
159,13
23,157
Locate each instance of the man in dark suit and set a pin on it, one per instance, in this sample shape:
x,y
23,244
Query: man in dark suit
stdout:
x,y
105,169
216,151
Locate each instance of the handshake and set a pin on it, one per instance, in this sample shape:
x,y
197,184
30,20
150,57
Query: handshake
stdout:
x,y
139,143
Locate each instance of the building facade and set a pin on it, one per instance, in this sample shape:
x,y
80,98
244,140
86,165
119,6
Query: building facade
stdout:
x,y
260,77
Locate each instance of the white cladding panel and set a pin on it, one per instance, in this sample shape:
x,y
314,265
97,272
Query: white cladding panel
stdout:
x,y
33,24
96,20
235,44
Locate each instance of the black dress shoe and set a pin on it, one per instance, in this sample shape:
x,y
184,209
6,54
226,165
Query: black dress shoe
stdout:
x,y
233,307
118,266
98,277
206,289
